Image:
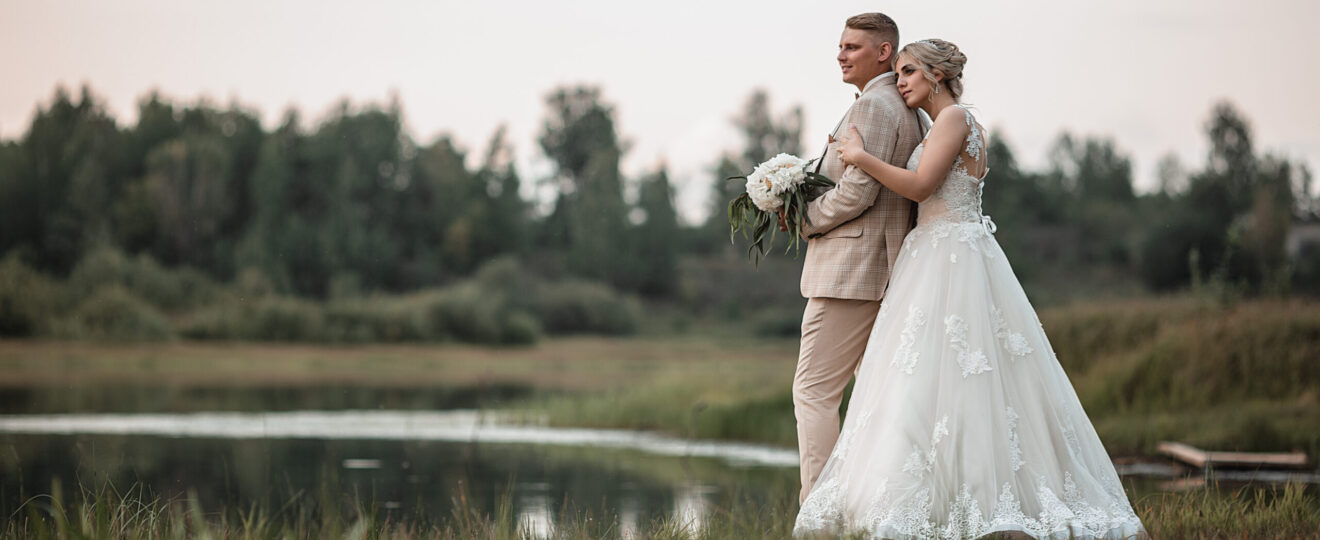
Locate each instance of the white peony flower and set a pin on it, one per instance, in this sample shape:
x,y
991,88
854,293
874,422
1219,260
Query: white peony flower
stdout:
x,y
776,176
759,190
780,181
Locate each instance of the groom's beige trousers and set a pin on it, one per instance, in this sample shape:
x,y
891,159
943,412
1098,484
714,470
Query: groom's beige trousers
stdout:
x,y
834,335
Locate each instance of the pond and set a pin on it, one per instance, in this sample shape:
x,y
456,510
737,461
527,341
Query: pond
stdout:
x,y
405,462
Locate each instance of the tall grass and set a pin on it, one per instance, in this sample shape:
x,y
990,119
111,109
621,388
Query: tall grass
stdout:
x,y
1264,513
1239,377
1287,512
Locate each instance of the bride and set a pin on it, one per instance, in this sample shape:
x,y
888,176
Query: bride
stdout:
x,y
962,423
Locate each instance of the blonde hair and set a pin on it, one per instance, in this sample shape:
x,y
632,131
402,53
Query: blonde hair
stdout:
x,y
937,57
879,25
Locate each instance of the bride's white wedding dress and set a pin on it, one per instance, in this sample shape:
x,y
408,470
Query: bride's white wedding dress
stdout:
x,y
962,423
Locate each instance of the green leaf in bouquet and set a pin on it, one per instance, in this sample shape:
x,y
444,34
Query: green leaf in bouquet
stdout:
x,y
760,227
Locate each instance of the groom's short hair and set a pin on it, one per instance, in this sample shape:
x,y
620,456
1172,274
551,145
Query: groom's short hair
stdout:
x,y
878,24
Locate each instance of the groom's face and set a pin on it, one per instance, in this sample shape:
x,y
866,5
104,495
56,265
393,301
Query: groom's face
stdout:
x,y
860,57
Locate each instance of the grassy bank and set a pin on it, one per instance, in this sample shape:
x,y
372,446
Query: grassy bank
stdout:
x,y
1257,513
1236,377
573,364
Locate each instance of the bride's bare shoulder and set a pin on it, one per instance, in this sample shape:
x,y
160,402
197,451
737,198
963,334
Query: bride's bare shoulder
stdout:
x,y
953,123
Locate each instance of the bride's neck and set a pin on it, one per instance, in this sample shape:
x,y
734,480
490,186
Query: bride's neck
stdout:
x,y
933,110
938,103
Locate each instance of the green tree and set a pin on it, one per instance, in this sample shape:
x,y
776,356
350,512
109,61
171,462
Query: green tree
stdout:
x,y
507,220
60,181
1232,221
1097,196
191,184
277,241
656,242
457,203
763,137
589,220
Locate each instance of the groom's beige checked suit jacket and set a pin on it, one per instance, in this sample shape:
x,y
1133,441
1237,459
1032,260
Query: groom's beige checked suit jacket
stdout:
x,y
858,226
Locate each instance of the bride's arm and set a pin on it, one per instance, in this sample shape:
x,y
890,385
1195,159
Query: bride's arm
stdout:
x,y
937,156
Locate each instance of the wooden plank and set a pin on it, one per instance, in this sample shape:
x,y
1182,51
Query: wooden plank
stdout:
x,y
1290,459
1201,458
1184,453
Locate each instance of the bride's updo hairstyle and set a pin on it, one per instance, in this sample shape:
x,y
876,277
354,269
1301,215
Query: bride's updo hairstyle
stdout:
x,y
938,57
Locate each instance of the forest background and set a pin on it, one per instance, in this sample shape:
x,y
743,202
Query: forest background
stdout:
x,y
196,222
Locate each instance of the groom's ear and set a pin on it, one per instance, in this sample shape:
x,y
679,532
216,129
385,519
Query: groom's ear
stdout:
x,y
886,50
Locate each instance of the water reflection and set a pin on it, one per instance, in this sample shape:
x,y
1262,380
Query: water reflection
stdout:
x,y
534,517
403,478
629,513
690,507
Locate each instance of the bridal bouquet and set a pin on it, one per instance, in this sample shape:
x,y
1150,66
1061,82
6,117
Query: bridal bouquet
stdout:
x,y
782,183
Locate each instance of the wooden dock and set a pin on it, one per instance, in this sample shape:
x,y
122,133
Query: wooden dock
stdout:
x,y
1202,459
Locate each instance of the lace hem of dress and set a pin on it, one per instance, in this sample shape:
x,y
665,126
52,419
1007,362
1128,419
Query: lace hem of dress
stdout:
x,y
1067,517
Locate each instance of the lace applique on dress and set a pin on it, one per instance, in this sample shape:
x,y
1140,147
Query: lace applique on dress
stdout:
x,y
971,362
914,518
1070,440
1013,342
1071,516
965,519
842,447
879,512
1014,442
905,358
975,143
919,463
823,509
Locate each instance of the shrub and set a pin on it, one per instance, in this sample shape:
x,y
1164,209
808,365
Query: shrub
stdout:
x,y
167,289
113,313
571,307
261,319
468,312
27,299
375,320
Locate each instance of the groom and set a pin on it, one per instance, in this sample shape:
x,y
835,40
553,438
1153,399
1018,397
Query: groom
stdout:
x,y
856,230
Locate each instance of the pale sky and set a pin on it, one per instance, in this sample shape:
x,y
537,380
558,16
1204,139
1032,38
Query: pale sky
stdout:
x,y
1145,72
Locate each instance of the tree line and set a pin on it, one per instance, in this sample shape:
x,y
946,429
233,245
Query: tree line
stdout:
x,y
353,205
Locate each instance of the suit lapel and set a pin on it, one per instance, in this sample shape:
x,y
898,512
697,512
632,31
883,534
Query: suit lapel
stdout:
x,y
873,86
